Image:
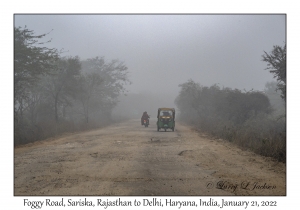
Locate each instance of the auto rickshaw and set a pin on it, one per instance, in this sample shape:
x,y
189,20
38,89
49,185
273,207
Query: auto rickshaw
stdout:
x,y
165,119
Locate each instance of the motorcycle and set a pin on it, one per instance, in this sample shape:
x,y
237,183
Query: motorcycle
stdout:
x,y
146,122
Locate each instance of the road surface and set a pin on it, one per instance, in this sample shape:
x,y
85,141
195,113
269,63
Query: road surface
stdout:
x,y
129,159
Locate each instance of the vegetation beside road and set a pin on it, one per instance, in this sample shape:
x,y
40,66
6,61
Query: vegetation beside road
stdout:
x,y
243,117
55,94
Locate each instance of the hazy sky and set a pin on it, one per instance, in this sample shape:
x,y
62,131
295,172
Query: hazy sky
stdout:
x,y
163,51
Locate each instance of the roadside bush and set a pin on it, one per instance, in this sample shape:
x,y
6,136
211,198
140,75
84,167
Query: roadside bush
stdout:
x,y
265,135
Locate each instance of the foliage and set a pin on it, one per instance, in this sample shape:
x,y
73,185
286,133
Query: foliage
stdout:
x,y
31,60
204,102
276,62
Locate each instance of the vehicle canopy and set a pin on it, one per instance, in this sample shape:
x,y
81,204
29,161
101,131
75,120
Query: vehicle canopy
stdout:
x,y
166,112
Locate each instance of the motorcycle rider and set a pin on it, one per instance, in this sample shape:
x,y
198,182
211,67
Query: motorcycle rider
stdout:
x,y
145,117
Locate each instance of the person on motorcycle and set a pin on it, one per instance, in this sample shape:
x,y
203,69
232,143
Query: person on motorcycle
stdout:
x,y
145,117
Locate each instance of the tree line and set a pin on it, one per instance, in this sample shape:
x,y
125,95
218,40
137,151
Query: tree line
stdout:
x,y
243,117
55,94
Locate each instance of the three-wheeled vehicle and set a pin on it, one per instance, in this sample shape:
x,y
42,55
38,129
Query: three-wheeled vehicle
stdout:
x,y
165,119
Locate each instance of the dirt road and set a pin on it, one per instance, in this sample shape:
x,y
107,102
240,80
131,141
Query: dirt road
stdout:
x,y
128,159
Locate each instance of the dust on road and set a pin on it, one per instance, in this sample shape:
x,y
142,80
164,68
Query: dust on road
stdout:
x,y
128,159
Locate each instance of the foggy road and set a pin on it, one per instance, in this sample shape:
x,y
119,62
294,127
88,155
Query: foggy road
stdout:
x,y
129,159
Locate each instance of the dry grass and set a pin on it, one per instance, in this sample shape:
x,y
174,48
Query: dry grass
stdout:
x,y
262,134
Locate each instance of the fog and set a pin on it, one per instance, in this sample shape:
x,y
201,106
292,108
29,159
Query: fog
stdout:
x,y
163,51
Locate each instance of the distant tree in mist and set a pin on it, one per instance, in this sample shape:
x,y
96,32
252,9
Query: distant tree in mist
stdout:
x,y
112,77
188,100
88,89
61,84
113,73
276,62
202,104
275,98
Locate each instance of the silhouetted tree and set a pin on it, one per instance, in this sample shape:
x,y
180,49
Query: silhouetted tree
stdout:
x,y
31,60
276,62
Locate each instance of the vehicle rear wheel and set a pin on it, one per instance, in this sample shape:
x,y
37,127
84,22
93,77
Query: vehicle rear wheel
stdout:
x,y
157,128
173,129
